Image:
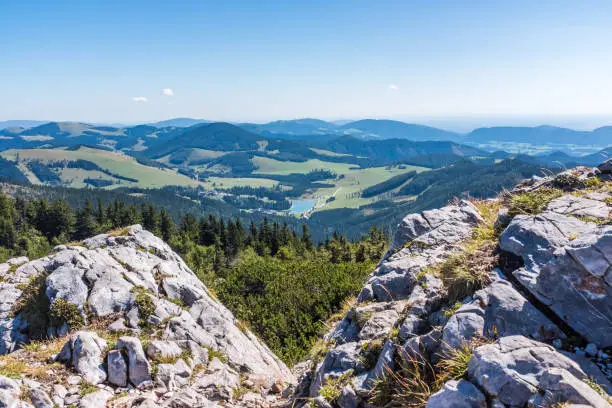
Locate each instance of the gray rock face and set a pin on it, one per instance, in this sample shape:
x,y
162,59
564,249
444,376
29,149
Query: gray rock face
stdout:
x,y
102,274
536,238
218,383
498,310
458,394
568,267
39,398
9,392
449,224
67,283
164,349
85,350
579,206
606,167
513,369
561,385
139,369
95,399
117,368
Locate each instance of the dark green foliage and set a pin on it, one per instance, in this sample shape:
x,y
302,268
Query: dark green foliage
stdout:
x,y
144,302
33,305
387,185
44,172
98,182
11,173
62,312
286,301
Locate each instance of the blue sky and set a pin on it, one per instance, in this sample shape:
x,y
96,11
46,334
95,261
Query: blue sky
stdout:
x,y
109,61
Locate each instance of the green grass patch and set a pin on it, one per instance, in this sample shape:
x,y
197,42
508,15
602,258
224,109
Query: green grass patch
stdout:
x,y
532,202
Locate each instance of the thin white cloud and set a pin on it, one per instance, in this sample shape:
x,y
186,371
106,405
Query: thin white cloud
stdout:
x,y
393,87
140,99
167,92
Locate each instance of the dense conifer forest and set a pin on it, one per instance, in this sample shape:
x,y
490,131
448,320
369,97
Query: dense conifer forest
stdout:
x,y
275,279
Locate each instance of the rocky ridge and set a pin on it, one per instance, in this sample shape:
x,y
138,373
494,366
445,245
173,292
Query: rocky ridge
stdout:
x,y
133,327
497,303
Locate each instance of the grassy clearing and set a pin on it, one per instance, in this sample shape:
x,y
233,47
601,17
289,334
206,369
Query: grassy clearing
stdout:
x,y
324,152
266,165
118,163
229,182
346,190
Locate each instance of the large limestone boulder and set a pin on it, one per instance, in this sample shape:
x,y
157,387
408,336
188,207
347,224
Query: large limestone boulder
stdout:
x,y
457,394
515,369
568,267
495,311
85,351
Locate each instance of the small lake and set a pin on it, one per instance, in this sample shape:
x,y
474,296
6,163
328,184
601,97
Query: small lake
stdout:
x,y
300,206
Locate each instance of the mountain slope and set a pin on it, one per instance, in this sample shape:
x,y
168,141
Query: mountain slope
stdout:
x,y
390,150
305,126
541,135
387,129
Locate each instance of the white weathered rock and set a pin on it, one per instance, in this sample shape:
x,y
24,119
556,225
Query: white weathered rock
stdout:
x,y
561,386
498,310
139,369
117,368
39,398
164,349
67,283
514,368
579,206
457,394
537,238
95,399
85,350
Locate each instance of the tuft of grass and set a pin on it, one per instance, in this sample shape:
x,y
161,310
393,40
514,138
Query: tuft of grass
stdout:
x,y
598,388
450,311
361,318
144,302
119,232
212,353
63,311
453,364
319,349
333,386
242,325
42,350
370,351
532,202
345,308
12,368
463,273
86,388
33,305
410,385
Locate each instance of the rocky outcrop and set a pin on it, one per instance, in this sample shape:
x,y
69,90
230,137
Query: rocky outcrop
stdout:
x,y
122,289
550,285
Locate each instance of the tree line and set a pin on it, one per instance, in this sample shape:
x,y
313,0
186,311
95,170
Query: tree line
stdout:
x,y
275,278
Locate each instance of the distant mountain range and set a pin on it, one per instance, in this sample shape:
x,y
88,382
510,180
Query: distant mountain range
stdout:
x,y
373,129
